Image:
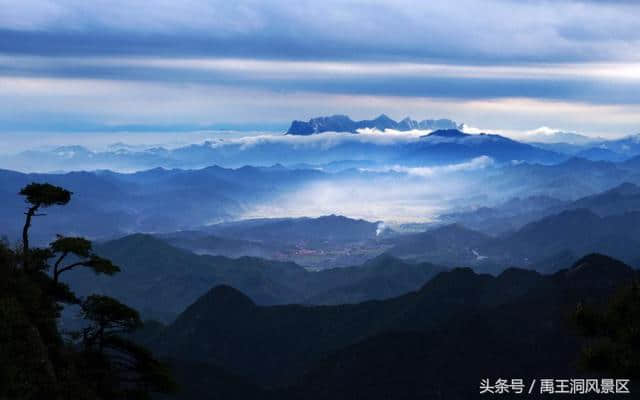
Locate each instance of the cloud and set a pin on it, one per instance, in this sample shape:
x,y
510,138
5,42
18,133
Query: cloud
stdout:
x,y
201,64
172,94
417,195
321,142
86,105
284,70
471,165
544,130
596,83
398,202
332,29
414,133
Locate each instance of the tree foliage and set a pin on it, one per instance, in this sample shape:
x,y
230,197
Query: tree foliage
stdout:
x,y
613,335
81,248
108,317
39,195
45,194
36,360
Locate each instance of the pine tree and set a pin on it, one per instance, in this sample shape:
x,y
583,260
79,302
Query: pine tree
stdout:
x,y
36,361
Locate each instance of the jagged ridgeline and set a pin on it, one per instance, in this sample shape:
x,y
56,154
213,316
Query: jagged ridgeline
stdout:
x,y
436,342
37,359
342,123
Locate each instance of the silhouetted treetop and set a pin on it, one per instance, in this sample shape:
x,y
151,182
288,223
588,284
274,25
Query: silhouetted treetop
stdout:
x,y
39,195
109,314
81,248
76,245
45,194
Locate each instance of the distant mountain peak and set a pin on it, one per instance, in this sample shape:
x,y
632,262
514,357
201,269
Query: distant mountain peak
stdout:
x,y
599,269
383,117
343,123
225,296
548,135
138,240
595,259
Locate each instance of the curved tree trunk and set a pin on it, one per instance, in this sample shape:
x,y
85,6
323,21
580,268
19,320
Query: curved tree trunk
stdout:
x,y
25,236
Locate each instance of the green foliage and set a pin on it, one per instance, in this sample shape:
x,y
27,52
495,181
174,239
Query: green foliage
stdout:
x,y
45,194
109,315
75,245
614,335
36,361
101,265
80,248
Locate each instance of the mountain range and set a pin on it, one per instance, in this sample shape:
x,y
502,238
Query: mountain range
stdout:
x,y
431,343
517,212
342,123
108,204
162,280
543,244
449,146
112,204
323,242
596,149
566,143
570,138
338,307
151,281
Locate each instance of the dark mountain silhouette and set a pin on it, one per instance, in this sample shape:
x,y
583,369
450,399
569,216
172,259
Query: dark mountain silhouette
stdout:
x,y
450,133
322,230
452,145
451,244
379,278
162,280
569,180
508,216
618,200
537,245
342,123
201,242
615,150
517,212
436,342
577,231
320,243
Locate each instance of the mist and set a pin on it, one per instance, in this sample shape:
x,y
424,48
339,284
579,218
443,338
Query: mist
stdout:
x,y
393,195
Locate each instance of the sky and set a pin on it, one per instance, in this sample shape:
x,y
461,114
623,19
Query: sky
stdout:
x,y
119,67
